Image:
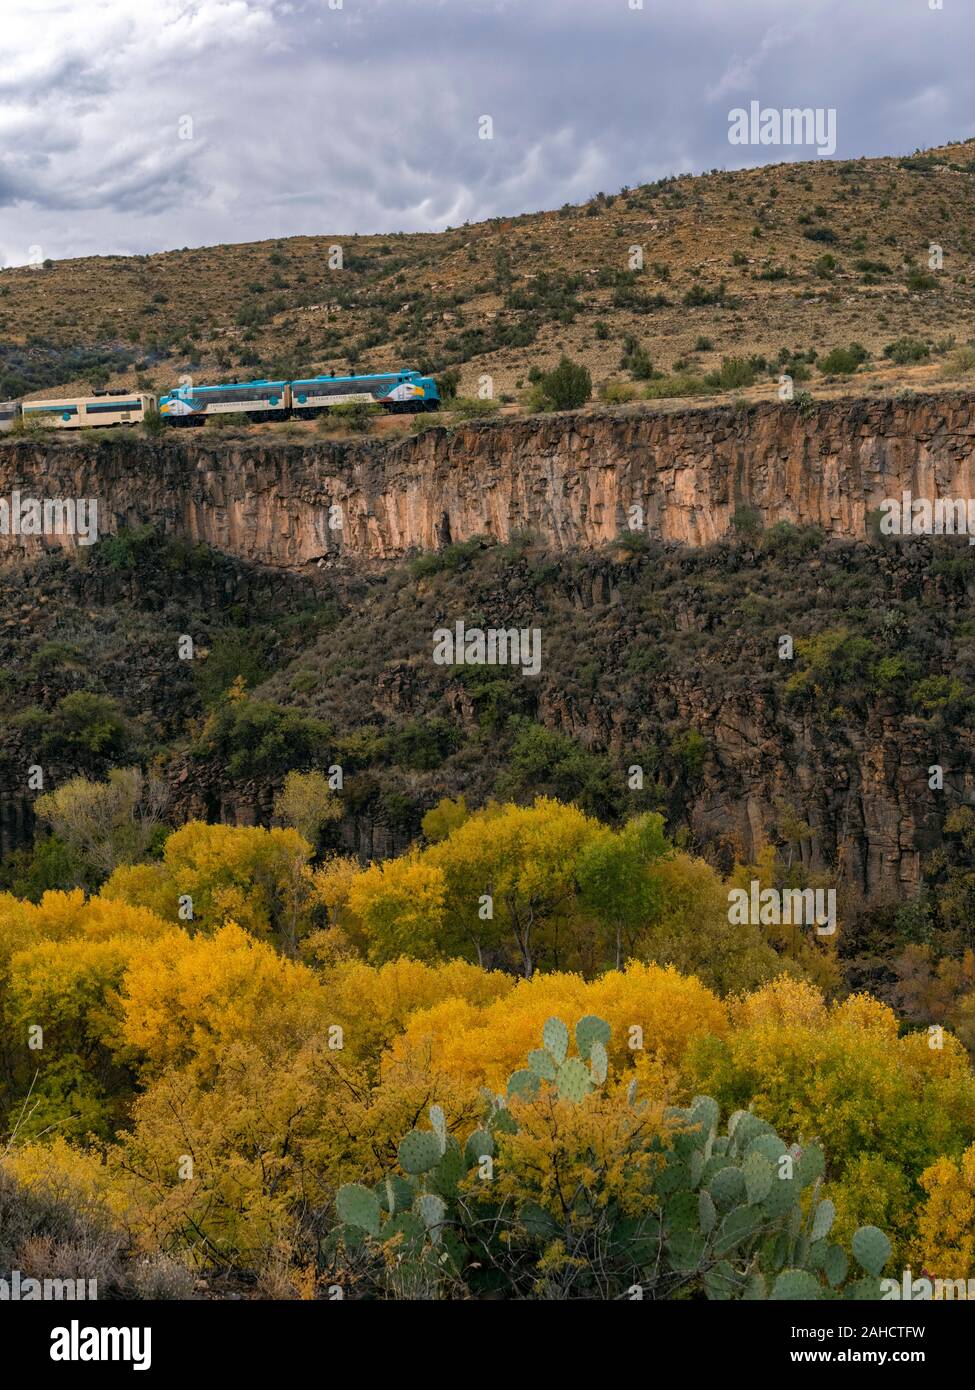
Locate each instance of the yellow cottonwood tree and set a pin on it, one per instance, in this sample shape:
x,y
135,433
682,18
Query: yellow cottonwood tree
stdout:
x,y
945,1246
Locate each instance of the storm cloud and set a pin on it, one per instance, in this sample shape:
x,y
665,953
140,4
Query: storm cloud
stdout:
x,y
133,126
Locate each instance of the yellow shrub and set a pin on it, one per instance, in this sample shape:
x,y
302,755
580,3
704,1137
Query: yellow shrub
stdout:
x,y
73,1175
945,1247
377,1001
485,1045
563,1149
187,998
784,1000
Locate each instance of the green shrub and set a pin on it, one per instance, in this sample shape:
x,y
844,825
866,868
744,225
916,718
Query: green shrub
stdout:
x,y
233,656
747,521
255,738
961,361
919,282
473,408
636,359
81,726
454,556
153,423
448,382
354,416
734,372
619,392
904,351
843,361
567,387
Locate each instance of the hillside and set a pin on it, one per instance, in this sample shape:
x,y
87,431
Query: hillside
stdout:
x,y
782,263
279,880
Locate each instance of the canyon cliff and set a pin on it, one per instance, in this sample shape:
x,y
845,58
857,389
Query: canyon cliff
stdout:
x,y
855,770
570,479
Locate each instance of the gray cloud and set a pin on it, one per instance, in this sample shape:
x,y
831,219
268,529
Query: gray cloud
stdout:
x,y
309,119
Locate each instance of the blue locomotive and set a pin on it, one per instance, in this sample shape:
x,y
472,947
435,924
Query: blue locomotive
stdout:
x,y
396,392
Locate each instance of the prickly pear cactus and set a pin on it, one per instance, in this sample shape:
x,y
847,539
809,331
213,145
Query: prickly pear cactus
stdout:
x,y
479,1146
589,1030
432,1211
358,1206
522,1083
795,1284
438,1123
871,1249
736,1214
555,1036
573,1080
419,1151
542,1063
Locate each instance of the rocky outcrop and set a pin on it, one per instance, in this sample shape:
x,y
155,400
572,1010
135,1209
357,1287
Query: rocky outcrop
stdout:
x,y
572,479
265,501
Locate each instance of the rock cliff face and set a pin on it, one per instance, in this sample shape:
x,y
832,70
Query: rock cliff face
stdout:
x,y
571,479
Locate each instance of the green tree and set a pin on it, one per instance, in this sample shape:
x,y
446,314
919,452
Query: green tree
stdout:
x,y
567,387
447,815
616,882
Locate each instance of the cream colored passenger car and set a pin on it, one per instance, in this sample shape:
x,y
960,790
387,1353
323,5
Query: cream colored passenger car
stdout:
x,y
79,412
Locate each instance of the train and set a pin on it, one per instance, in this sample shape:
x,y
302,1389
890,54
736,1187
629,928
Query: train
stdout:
x,y
406,391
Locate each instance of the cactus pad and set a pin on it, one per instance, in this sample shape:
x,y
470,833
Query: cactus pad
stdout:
x,y
598,1062
759,1176
823,1220
394,1194
357,1206
503,1122
419,1151
811,1165
871,1249
479,1145
555,1036
431,1210
727,1188
835,1265
449,1171
704,1112
438,1123
541,1063
573,1080
795,1284
707,1215
522,1083
589,1030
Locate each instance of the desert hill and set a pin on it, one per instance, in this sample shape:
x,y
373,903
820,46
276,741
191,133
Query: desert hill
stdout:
x,y
782,263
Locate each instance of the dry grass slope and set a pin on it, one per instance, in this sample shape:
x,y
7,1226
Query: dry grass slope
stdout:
x,y
767,262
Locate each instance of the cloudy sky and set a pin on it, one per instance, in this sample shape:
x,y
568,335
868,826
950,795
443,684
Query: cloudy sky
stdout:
x,y
142,125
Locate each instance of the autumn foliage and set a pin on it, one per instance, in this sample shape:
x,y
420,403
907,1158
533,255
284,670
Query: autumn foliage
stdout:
x,y
210,1078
